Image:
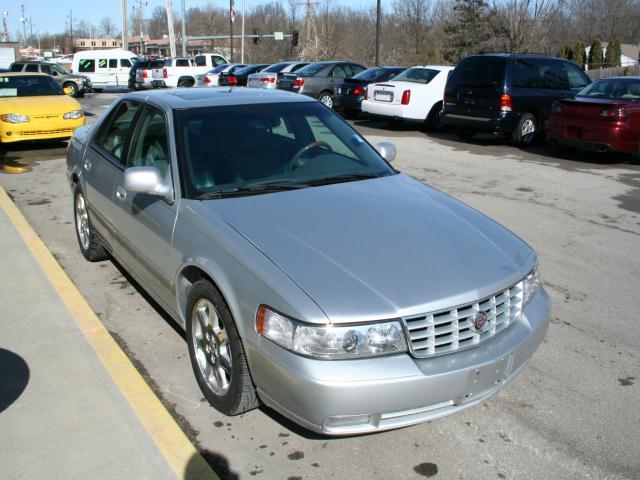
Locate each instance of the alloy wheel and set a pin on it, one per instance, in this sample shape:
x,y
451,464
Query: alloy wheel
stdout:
x,y
82,222
327,101
211,346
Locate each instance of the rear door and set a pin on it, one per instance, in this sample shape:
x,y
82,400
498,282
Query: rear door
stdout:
x,y
475,86
103,165
144,223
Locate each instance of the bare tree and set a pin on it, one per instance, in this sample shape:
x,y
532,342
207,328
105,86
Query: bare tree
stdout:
x,y
107,27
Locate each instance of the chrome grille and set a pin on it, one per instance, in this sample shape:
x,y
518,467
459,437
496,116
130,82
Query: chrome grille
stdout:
x,y
448,331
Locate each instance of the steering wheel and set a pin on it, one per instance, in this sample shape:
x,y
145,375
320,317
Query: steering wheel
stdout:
x,y
296,162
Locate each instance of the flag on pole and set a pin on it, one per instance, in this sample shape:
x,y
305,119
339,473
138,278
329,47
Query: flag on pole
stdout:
x,y
232,11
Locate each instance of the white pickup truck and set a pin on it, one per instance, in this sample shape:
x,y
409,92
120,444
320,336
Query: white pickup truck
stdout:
x,y
182,71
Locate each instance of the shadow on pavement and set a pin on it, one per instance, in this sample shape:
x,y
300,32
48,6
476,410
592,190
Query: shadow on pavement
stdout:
x,y
14,377
196,470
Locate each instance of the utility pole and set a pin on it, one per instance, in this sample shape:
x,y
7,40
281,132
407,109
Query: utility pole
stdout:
x,y
378,15
30,30
24,24
242,41
172,34
184,30
125,26
139,15
71,28
5,31
232,18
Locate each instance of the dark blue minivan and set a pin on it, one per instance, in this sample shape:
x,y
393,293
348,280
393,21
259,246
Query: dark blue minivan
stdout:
x,y
508,94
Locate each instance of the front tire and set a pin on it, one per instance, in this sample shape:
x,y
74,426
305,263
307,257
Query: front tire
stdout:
x,y
525,133
90,243
216,352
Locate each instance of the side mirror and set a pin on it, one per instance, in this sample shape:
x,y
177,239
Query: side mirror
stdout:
x,y
147,180
387,150
68,90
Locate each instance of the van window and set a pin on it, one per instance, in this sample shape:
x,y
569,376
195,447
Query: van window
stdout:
x,y
87,66
124,62
485,71
525,74
16,67
182,62
113,63
31,67
102,63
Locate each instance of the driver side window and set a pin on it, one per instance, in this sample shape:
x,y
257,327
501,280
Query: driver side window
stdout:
x,y
113,134
149,148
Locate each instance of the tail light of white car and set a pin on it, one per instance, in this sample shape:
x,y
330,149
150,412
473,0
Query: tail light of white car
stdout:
x,y
406,97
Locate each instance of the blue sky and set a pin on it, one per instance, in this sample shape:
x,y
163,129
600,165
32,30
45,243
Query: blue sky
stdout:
x,y
52,16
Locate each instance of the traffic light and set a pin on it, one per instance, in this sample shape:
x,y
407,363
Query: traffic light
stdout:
x,y
256,40
294,38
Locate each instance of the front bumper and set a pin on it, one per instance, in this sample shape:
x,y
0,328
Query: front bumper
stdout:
x,y
23,132
360,396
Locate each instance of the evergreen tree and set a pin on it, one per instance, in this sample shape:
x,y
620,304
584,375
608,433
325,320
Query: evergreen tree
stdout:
x,y
567,52
595,55
467,30
618,53
579,55
610,56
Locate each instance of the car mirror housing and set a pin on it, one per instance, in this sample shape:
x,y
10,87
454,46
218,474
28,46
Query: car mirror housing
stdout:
x,y
147,180
387,150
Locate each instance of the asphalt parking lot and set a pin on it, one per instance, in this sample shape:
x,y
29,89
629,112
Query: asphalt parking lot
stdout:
x,y
573,413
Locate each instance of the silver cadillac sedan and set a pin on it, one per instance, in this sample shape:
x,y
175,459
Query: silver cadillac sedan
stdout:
x,y
310,275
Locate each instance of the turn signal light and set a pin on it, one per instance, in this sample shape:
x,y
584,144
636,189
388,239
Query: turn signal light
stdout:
x,y
406,97
505,102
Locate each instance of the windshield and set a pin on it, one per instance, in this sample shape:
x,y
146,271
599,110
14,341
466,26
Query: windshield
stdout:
x,y
234,149
28,86
59,69
417,75
311,69
370,74
614,88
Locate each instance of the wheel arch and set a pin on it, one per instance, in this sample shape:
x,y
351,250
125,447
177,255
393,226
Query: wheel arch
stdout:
x,y
187,78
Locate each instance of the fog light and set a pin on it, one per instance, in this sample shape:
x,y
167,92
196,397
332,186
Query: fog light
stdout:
x,y
346,421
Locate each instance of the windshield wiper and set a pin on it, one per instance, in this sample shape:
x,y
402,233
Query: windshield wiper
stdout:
x,y
250,190
345,177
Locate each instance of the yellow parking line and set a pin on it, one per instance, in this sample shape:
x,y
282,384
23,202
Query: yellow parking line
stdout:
x,y
165,432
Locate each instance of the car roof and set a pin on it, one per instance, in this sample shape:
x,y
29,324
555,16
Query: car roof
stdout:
x,y
183,98
25,74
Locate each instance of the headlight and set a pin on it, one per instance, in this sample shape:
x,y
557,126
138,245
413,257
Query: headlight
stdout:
x,y
73,115
531,284
14,118
331,341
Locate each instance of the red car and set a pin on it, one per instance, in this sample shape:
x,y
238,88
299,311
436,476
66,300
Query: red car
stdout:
x,y
605,117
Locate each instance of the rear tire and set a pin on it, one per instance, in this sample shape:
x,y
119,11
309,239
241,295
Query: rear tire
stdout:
x,y
433,121
326,99
526,132
185,84
216,352
90,243
73,87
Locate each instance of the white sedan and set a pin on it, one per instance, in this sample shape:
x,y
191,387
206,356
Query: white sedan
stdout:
x,y
415,95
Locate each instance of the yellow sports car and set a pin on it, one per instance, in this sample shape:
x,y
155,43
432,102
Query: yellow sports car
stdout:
x,y
34,107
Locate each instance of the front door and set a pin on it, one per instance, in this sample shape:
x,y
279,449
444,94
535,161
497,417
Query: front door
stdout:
x,y
145,222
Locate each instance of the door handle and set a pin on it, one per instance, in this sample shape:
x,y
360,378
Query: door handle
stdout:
x,y
87,164
121,193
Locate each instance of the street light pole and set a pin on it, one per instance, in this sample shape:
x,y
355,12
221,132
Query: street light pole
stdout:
x,y
378,14
184,31
242,41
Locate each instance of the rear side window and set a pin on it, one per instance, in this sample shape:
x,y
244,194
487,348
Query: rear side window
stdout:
x,y
201,61
525,74
124,62
16,67
478,72
182,62
113,134
113,63
339,72
31,67
87,66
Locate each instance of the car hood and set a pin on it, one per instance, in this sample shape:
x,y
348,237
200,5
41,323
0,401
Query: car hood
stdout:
x,y
39,105
379,248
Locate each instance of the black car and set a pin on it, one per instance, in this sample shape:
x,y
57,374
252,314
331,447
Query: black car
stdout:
x,y
508,94
350,92
239,77
136,82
